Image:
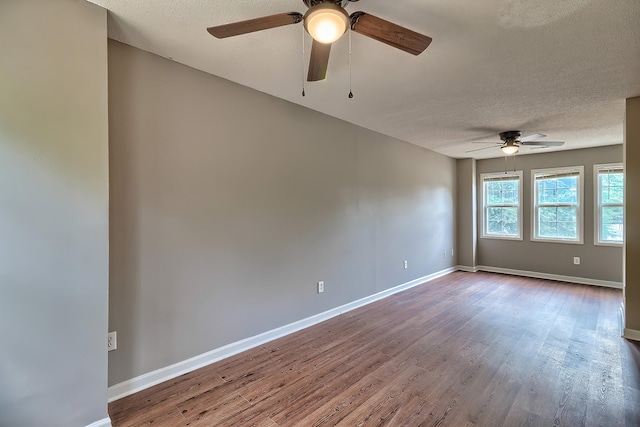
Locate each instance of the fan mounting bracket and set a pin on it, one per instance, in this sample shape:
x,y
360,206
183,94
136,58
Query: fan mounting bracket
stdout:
x,y
510,135
354,18
341,3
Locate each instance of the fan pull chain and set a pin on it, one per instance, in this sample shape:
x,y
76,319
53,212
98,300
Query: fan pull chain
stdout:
x,y
303,94
350,93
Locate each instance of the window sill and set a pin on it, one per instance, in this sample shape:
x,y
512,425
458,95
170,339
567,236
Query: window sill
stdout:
x,y
516,238
569,242
611,244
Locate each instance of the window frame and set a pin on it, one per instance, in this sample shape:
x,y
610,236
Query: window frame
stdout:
x,y
579,205
484,217
597,168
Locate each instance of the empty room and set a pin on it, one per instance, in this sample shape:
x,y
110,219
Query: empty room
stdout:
x,y
319,213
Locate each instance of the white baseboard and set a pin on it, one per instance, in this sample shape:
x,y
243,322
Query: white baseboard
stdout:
x,y
466,268
537,275
158,376
631,334
105,422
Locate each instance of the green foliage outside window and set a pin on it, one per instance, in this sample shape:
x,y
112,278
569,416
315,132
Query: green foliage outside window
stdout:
x,y
501,214
557,200
611,188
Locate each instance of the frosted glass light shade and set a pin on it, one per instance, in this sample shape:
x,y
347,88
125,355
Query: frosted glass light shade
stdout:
x,y
509,148
326,22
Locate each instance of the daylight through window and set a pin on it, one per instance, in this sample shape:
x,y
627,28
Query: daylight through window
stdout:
x,y
610,204
502,199
557,201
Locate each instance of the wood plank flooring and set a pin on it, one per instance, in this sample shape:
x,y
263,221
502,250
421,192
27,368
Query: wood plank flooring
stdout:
x,y
468,349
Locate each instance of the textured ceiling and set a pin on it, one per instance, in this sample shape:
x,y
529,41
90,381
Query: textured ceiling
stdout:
x,y
558,67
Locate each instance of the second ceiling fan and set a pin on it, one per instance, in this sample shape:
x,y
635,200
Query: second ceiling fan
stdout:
x,y
326,21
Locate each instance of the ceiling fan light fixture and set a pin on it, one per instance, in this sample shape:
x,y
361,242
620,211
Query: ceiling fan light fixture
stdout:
x,y
509,148
326,22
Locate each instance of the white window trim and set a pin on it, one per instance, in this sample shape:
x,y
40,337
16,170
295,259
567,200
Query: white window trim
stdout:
x,y
580,213
515,174
596,199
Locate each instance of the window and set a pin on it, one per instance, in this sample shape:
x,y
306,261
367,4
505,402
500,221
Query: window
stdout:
x,y
502,201
609,212
557,204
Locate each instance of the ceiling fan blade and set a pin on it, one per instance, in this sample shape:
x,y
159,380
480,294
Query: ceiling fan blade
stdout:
x,y
479,149
542,143
389,33
319,61
257,24
532,137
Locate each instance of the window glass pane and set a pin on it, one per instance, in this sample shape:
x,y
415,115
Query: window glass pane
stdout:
x,y
548,214
494,193
510,221
558,222
568,182
567,230
502,206
544,184
616,179
510,214
613,195
612,220
558,190
494,227
547,196
612,233
611,211
494,214
567,214
567,195
557,204
611,187
510,185
502,192
612,215
511,197
502,221
494,197
511,229
548,229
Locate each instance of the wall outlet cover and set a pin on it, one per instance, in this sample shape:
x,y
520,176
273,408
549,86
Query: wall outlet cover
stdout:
x,y
112,341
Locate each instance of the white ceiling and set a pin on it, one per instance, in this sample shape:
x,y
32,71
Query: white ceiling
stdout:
x,y
558,67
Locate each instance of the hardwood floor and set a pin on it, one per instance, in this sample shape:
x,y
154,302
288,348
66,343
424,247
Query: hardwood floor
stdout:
x,y
468,349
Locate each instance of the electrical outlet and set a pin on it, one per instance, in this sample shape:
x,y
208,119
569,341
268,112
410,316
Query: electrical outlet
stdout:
x,y
576,260
444,254
320,287
112,342
452,253
406,264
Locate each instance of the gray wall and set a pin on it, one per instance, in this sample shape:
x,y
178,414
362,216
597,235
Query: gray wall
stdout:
x,y
53,213
466,208
632,214
597,262
228,205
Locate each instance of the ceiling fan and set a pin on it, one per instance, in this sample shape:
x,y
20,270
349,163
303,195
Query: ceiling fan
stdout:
x,y
511,141
326,21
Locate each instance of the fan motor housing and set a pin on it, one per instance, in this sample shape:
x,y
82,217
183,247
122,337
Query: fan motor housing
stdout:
x,y
342,3
510,135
